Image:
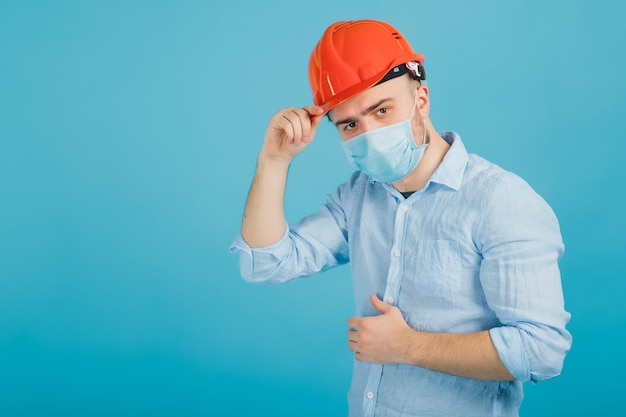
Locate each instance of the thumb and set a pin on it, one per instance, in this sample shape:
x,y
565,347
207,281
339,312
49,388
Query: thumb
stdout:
x,y
316,113
379,305
314,110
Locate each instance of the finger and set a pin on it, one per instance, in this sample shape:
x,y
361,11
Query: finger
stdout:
x,y
283,123
379,305
305,122
293,118
315,116
309,124
352,345
352,335
354,322
315,122
314,110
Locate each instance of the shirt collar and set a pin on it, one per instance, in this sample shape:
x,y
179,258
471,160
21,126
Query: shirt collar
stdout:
x,y
450,171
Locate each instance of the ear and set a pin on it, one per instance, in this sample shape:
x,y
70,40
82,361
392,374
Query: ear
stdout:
x,y
423,101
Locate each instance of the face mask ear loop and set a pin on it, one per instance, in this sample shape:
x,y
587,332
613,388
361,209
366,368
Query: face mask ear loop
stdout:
x,y
414,106
423,120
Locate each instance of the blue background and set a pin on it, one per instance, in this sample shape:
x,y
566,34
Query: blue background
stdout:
x,y
128,137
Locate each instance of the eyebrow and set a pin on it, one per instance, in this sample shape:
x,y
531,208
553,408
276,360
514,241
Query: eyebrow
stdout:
x,y
364,112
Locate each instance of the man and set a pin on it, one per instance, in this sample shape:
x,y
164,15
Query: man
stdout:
x,y
454,260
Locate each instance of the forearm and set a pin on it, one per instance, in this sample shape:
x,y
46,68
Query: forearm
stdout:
x,y
387,338
264,216
470,355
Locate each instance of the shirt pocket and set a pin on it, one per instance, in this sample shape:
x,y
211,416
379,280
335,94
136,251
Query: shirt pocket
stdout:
x,y
437,268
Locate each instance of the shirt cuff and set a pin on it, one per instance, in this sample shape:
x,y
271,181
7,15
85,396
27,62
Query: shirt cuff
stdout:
x,y
508,343
252,261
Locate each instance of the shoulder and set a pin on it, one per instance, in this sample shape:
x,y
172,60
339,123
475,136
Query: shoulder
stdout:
x,y
357,183
488,178
506,202
497,191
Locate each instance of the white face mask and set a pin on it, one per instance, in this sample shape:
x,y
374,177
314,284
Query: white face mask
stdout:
x,y
386,154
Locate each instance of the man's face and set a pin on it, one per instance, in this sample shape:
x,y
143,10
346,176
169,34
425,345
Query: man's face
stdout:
x,y
382,105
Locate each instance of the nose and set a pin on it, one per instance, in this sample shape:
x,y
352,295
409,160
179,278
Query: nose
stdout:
x,y
368,124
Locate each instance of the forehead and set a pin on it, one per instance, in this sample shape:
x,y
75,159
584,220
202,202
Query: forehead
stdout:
x,y
395,89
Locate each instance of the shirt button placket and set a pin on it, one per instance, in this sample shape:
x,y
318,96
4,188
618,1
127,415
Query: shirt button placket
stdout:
x,y
393,279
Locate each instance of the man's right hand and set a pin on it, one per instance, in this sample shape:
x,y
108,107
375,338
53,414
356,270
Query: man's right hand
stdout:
x,y
289,131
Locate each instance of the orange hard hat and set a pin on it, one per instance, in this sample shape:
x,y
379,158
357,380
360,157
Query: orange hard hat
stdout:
x,y
353,56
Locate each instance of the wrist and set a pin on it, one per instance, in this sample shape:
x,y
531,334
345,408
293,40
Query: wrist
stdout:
x,y
273,161
414,348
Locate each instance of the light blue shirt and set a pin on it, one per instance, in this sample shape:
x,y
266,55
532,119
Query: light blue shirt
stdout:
x,y
475,249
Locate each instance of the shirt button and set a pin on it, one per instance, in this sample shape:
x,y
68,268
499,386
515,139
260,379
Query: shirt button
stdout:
x,y
370,395
390,300
397,252
404,208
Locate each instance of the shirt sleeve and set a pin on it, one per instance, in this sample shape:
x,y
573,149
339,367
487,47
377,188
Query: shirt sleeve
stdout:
x,y
521,244
314,244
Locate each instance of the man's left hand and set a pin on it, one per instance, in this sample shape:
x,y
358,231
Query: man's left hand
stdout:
x,y
380,339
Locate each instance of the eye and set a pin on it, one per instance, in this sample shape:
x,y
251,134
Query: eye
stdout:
x,y
350,126
382,111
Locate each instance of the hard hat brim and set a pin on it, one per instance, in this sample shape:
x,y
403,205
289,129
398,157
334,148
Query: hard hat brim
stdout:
x,y
366,84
